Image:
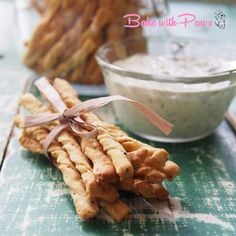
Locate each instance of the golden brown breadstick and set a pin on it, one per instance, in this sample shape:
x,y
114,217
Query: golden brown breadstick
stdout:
x,y
37,46
54,55
96,77
86,207
107,193
103,15
60,24
96,189
118,210
58,39
151,164
112,148
171,170
115,30
148,190
77,58
77,75
44,24
29,143
150,175
156,158
94,32
102,166
117,154
91,73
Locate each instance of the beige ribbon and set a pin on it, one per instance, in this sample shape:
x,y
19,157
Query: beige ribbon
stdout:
x,y
71,118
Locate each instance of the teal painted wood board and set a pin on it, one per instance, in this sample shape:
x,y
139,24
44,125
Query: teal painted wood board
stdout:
x,y
35,201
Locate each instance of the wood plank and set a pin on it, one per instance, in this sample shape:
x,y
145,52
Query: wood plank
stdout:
x,y
11,88
35,200
13,74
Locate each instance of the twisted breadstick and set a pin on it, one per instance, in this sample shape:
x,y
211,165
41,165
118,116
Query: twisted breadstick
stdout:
x,y
86,206
103,191
92,73
118,209
29,143
150,164
102,166
155,157
112,148
69,33
76,75
148,190
94,33
54,55
61,23
44,24
78,58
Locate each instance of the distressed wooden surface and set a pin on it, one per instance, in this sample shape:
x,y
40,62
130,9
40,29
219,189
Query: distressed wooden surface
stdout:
x,y
35,201
9,100
13,75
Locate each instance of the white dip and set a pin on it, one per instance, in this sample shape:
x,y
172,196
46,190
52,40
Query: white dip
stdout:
x,y
194,109
177,66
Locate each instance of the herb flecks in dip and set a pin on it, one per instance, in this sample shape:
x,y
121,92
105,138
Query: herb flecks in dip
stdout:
x,y
194,109
175,66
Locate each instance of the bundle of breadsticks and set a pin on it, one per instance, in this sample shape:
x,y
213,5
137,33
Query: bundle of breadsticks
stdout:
x,y
96,168
69,33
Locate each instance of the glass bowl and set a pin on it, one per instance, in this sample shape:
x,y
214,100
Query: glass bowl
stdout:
x,y
195,105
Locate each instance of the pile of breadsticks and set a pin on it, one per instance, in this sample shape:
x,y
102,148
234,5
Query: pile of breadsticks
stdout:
x,y
95,169
69,33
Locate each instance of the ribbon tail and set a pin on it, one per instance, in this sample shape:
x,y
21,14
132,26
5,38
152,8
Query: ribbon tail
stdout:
x,y
50,94
51,136
34,120
165,126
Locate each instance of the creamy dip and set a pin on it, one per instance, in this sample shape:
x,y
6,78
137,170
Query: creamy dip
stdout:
x,y
175,66
194,109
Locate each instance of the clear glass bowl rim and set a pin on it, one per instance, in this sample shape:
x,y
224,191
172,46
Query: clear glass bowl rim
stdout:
x,y
103,62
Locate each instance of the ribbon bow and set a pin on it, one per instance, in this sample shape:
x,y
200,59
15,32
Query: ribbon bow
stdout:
x,y
71,118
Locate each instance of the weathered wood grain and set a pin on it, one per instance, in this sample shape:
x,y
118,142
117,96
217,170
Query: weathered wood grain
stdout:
x,y
11,89
13,74
34,199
